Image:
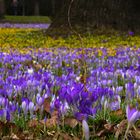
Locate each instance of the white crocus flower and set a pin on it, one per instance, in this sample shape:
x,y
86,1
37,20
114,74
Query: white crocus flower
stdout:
x,y
78,78
30,71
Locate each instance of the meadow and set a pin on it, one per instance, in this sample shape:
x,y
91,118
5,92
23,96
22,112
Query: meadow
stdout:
x,y
60,88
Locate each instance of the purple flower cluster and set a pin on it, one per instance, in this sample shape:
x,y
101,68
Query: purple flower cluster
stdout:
x,y
76,80
24,25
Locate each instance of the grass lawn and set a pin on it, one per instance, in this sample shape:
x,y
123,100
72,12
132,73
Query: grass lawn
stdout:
x,y
27,19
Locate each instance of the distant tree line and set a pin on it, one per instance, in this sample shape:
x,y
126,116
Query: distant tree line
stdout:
x,y
29,7
117,13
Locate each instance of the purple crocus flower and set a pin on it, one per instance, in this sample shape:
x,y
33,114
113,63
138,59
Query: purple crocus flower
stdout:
x,y
132,114
39,100
130,90
69,99
131,33
80,116
64,108
8,116
24,106
1,112
57,103
84,95
31,108
115,105
23,25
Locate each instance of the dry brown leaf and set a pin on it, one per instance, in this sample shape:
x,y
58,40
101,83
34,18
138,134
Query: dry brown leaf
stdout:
x,y
83,78
109,127
71,122
101,133
55,136
5,138
120,128
52,122
75,138
1,126
37,66
50,133
63,136
10,127
34,123
136,134
47,104
49,123
117,112
54,114
37,108
30,137
25,135
14,137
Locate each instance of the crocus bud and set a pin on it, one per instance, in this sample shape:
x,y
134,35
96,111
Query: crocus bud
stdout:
x,y
119,89
138,90
64,108
137,78
135,86
57,103
1,112
85,129
24,107
31,107
40,101
4,102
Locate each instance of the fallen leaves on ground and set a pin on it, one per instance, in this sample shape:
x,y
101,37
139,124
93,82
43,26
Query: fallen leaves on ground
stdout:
x,y
136,134
53,121
9,131
34,123
47,104
108,128
49,122
121,127
72,122
64,136
6,128
117,112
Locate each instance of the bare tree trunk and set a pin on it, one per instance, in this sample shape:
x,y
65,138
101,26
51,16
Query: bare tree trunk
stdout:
x,y
2,8
23,7
116,14
36,8
53,7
